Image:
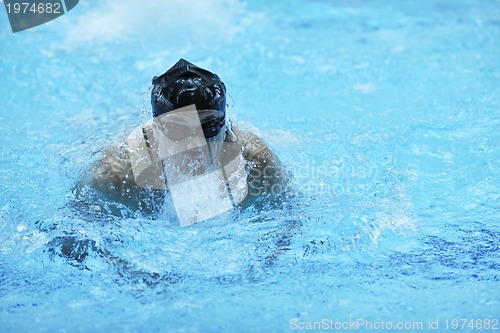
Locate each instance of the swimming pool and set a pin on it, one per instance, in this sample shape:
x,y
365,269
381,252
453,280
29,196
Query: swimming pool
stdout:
x,y
386,113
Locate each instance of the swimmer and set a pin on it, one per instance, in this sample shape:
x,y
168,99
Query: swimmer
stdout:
x,y
182,90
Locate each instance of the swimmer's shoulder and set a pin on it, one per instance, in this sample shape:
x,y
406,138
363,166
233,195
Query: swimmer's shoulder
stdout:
x,y
266,172
255,150
111,173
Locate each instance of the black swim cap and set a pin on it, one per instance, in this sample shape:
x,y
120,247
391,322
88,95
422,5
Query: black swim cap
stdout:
x,y
187,84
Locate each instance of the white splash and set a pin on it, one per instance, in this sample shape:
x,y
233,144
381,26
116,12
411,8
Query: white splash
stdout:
x,y
172,23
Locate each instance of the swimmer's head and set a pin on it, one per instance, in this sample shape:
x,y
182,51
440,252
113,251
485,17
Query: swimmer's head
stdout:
x,y
186,84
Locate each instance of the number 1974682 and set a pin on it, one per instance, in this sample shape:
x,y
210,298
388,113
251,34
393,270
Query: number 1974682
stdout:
x,y
27,8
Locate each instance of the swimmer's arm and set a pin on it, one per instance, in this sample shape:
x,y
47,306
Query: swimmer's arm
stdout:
x,y
112,176
266,173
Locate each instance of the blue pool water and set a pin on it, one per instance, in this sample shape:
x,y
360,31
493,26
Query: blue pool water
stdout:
x,y
387,113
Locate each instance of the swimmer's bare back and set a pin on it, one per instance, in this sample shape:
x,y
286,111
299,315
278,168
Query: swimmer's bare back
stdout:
x,y
112,175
